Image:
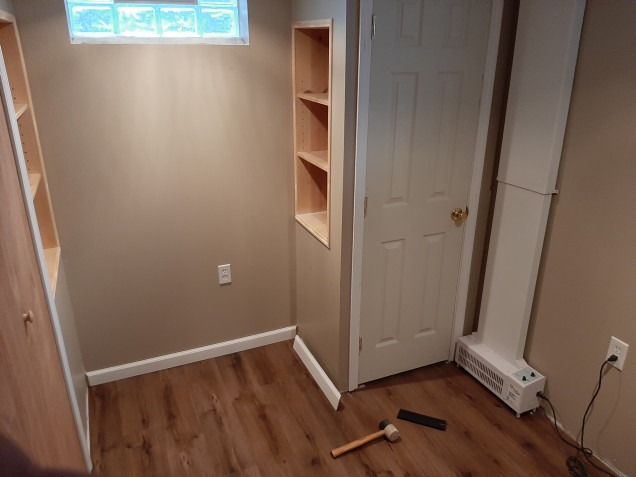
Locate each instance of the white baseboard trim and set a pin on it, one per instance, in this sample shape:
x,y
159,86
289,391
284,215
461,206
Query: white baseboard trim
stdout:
x,y
324,383
87,428
159,363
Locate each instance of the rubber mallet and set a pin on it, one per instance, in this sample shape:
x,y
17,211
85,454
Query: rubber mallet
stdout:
x,y
388,430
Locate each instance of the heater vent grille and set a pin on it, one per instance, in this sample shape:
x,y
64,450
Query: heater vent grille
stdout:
x,y
484,373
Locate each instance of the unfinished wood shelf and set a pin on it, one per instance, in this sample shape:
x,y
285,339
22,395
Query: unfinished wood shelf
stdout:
x,y
52,258
20,108
319,159
34,183
320,98
312,70
23,106
315,222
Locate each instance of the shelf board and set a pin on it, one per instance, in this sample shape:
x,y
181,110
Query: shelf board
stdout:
x,y
317,224
320,98
319,159
20,109
34,182
52,258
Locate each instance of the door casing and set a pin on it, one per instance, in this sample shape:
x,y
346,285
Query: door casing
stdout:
x,y
364,68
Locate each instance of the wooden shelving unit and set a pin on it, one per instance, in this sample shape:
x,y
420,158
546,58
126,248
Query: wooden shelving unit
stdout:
x,y
312,70
16,71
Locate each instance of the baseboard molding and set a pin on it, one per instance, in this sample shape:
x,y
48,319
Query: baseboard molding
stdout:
x,y
87,428
159,363
324,383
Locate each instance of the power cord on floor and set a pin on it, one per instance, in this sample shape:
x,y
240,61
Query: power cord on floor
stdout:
x,y
574,464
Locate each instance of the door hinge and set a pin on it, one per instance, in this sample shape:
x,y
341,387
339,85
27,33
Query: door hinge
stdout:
x,y
366,201
373,26
360,346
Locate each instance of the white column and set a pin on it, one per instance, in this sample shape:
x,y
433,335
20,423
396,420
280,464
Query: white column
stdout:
x,y
545,55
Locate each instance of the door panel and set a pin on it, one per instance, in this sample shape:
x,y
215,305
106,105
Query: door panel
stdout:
x,y
427,65
35,409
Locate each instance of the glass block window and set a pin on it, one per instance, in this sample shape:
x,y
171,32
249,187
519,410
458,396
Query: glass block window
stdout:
x,y
167,21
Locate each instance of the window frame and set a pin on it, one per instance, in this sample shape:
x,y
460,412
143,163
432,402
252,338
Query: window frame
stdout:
x,y
241,39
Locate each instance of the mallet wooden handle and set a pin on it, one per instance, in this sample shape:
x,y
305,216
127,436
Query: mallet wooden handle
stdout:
x,y
357,443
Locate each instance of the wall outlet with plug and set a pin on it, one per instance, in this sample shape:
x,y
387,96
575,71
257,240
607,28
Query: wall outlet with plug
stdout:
x,y
618,348
225,274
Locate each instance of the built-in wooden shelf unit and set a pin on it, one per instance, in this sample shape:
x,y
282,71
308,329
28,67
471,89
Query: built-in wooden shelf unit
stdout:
x,y
312,69
16,71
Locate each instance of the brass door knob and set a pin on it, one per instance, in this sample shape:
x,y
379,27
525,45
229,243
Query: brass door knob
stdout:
x,y
458,215
28,317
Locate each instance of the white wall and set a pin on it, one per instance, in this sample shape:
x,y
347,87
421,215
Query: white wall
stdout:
x,y
68,326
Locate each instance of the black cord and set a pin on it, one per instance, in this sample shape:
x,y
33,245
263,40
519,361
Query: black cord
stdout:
x,y
587,452
556,428
574,464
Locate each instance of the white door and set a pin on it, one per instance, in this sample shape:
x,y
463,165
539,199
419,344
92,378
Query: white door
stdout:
x,y
427,65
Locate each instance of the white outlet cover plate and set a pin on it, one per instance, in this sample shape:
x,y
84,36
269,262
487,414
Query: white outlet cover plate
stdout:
x,y
619,348
225,274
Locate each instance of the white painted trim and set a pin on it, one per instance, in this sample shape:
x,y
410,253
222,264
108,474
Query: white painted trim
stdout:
x,y
362,121
39,251
364,69
322,380
88,425
477,173
180,358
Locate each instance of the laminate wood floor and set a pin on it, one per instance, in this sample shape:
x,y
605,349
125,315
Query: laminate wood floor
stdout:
x,y
258,413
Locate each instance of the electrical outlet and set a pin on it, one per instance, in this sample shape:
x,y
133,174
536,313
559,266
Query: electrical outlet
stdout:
x,y
225,274
619,348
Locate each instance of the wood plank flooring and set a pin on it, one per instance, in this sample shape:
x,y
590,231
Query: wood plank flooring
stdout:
x,y
258,414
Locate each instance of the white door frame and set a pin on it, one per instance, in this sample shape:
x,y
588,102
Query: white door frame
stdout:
x,y
364,80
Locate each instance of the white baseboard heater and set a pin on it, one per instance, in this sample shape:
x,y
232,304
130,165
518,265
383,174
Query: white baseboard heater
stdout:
x,y
515,383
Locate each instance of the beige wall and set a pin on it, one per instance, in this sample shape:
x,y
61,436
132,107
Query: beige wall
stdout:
x,y
6,6
165,161
323,275
586,289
